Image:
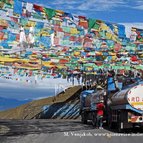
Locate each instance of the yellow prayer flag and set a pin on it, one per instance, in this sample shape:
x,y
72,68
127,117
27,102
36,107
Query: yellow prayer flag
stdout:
x,y
74,31
103,26
31,24
108,35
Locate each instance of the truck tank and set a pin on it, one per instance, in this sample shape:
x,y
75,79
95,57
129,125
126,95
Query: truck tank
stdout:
x,y
89,99
132,96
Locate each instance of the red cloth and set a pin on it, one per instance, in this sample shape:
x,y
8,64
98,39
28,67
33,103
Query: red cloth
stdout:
x,y
1,35
100,107
87,44
82,17
38,8
63,61
134,58
72,38
14,19
83,24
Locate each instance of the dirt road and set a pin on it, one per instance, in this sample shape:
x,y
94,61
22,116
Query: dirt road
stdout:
x,y
61,131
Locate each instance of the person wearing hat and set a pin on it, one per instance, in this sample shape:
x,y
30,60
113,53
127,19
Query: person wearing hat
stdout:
x,y
100,111
100,106
100,91
99,87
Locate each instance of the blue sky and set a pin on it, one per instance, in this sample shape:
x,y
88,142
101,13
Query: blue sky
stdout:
x,y
118,11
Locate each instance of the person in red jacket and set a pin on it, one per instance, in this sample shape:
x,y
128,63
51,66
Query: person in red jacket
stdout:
x,y
100,112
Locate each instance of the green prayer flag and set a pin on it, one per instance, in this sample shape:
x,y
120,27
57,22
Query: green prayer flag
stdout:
x,y
50,12
96,26
91,23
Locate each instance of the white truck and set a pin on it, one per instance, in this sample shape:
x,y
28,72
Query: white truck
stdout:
x,y
125,108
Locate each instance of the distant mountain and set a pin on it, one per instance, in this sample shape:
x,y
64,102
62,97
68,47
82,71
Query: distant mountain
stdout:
x,y
63,106
7,103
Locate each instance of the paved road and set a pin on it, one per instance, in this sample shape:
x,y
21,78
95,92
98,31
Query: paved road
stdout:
x,y
61,131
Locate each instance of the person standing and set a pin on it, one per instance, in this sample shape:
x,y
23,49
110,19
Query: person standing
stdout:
x,y
31,39
100,112
78,79
22,39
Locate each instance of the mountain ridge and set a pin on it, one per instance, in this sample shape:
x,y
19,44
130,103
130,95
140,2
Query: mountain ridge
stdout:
x,y
35,109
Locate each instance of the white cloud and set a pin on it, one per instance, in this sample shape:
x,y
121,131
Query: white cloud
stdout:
x,y
139,1
128,27
57,2
87,5
138,5
100,5
91,5
97,5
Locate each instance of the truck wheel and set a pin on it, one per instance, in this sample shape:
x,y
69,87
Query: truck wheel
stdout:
x,y
94,119
83,118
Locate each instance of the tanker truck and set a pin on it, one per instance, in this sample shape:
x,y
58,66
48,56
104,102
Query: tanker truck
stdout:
x,y
88,101
125,108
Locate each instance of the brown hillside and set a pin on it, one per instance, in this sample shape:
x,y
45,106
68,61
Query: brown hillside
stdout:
x,y
34,108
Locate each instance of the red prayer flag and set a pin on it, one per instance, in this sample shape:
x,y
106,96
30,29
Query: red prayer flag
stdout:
x,y
38,8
